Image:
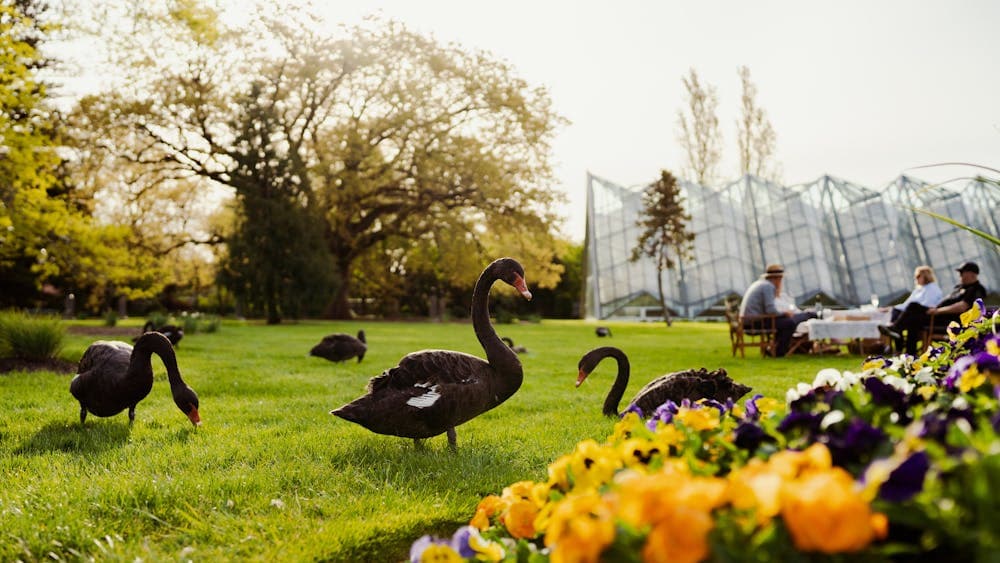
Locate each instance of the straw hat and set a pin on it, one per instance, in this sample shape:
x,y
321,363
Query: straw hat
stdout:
x,y
774,271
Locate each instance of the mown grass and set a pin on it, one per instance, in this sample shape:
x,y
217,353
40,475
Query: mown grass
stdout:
x,y
270,475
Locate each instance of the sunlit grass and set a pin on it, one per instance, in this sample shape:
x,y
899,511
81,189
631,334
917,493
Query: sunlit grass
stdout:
x,y
271,475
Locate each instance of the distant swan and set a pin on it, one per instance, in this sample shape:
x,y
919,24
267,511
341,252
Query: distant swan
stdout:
x,y
510,343
173,333
340,347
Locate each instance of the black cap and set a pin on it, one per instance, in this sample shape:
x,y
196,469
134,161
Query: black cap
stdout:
x,y
969,267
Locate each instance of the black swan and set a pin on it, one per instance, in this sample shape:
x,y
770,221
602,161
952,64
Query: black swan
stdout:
x,y
114,376
173,333
433,391
518,349
602,331
677,386
341,347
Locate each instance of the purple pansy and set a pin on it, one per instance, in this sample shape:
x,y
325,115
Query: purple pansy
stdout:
x,y
752,410
421,545
460,541
884,394
749,436
857,442
906,480
664,413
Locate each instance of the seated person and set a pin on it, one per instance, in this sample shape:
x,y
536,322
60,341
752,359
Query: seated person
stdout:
x,y
925,291
914,318
759,299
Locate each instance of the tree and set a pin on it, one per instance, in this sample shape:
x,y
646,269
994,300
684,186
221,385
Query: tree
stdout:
x,y
384,133
698,130
665,235
755,137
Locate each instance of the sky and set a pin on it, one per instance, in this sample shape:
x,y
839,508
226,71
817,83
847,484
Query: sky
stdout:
x,y
860,90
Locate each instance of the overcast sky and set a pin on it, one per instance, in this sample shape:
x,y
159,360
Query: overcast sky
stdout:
x,y
862,90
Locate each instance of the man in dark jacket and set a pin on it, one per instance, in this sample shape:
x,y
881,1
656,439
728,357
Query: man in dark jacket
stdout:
x,y
915,317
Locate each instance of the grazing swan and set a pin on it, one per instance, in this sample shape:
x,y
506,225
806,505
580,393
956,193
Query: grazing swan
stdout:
x,y
433,391
602,331
173,333
677,386
114,376
510,344
341,347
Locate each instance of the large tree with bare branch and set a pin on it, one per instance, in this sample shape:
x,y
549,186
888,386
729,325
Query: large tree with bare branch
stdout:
x,y
371,135
755,136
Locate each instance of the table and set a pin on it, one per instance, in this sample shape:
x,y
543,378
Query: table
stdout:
x,y
850,325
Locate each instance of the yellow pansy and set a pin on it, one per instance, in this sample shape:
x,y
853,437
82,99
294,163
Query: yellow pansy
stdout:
x,y
485,549
519,519
756,486
487,507
559,473
580,528
768,405
971,379
926,392
592,465
440,553
698,419
683,538
627,427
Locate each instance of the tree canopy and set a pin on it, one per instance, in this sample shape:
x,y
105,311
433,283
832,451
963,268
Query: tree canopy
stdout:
x,y
363,146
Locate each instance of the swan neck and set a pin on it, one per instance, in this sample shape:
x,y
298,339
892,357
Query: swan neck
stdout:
x,y
499,355
614,397
155,343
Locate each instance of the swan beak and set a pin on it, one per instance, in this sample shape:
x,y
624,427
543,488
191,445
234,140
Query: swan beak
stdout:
x,y
580,377
194,417
522,287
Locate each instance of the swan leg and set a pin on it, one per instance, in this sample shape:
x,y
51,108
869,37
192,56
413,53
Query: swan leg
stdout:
x,y
131,414
452,443
83,414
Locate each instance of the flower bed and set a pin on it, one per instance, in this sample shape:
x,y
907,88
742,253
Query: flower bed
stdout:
x,y
900,461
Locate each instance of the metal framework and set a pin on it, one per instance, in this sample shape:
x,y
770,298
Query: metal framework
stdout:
x,y
838,241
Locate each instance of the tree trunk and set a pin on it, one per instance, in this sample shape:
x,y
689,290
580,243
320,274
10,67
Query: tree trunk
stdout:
x,y
663,300
340,308
273,309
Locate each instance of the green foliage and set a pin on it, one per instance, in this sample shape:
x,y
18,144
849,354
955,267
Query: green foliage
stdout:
x,y
271,476
110,318
28,337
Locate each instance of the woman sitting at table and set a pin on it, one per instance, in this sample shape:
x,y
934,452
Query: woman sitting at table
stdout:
x,y
925,291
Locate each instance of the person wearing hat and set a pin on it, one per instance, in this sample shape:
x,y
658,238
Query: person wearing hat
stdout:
x,y
759,299
915,317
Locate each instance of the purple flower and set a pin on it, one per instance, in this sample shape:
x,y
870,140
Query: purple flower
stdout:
x,y
460,541
960,366
664,413
749,436
906,480
884,394
632,408
717,405
753,412
806,420
419,546
858,441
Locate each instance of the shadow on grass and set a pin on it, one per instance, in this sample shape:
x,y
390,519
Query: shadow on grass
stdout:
x,y
70,437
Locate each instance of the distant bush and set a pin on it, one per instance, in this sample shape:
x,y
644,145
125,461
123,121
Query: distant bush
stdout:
x,y
29,337
197,322
110,318
158,319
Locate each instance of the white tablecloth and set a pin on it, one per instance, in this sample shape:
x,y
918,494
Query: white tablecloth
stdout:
x,y
843,330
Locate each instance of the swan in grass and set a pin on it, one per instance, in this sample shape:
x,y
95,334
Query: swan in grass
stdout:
x,y
114,376
173,333
341,347
677,386
431,392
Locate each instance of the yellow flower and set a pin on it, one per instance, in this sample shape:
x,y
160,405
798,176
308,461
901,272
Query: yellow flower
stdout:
x,y
518,491
824,512
593,465
789,463
558,473
669,436
486,509
519,519
971,379
698,419
638,452
485,549
926,391
580,528
627,427
682,538
643,500
440,553
756,486
768,405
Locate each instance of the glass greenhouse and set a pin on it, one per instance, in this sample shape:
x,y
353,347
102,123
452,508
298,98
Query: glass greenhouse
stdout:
x,y
840,243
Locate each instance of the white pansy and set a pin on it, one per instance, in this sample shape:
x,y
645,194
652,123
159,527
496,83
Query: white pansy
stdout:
x,y
831,418
826,377
848,379
925,376
898,383
794,393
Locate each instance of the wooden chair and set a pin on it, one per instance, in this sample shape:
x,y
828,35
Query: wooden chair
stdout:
x,y
758,331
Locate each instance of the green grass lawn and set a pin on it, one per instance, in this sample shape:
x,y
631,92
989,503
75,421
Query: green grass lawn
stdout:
x,y
270,475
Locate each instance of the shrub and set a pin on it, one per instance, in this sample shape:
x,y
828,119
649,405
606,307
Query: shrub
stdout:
x,y
30,338
110,318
